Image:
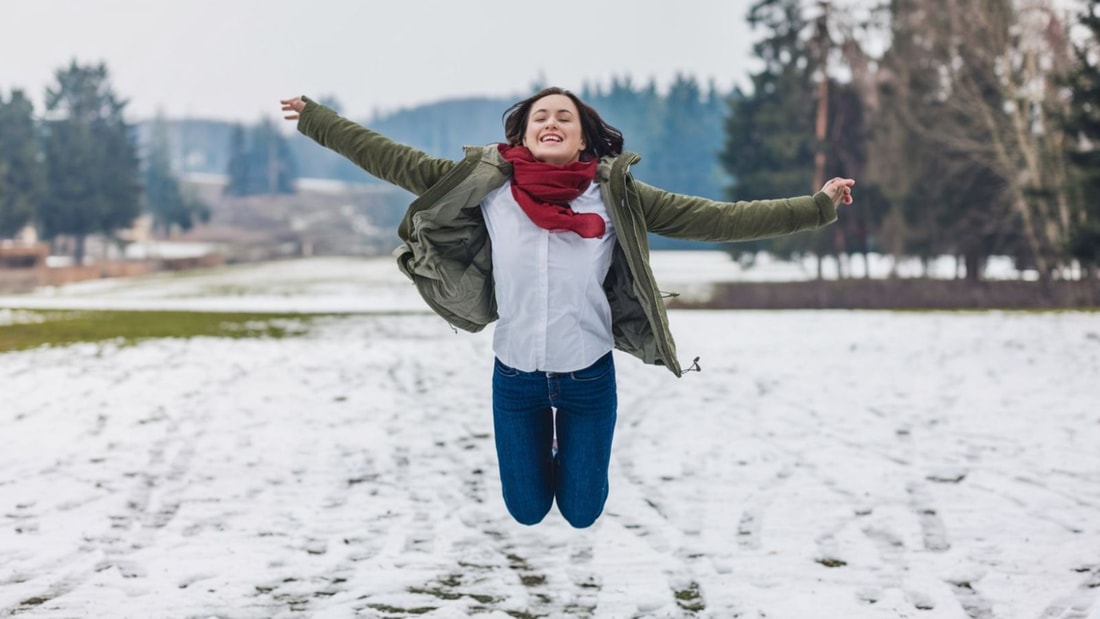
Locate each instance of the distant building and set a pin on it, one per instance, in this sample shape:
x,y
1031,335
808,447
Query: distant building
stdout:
x,y
22,255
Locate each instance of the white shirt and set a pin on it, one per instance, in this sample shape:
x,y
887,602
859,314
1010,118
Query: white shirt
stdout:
x,y
554,314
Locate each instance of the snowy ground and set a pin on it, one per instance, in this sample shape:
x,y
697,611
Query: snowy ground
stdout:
x,y
824,464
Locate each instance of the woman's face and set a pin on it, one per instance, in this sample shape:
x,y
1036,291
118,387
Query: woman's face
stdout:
x,y
554,133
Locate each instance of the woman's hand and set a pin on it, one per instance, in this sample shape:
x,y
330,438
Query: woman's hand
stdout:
x,y
839,189
295,106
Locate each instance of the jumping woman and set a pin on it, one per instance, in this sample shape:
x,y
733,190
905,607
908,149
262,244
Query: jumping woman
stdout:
x,y
546,235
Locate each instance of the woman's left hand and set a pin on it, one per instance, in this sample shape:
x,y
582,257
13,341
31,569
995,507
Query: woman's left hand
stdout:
x,y
839,189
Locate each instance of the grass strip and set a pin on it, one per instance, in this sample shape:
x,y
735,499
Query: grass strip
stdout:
x,y
125,327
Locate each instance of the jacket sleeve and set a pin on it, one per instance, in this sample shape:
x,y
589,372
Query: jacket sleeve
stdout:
x,y
401,165
699,219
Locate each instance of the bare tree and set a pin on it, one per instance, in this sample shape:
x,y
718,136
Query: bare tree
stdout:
x,y
995,67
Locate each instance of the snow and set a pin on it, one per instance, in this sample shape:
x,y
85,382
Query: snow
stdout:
x,y
159,249
823,464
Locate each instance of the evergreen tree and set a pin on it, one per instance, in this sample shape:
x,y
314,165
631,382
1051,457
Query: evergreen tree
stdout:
x,y
260,162
273,168
684,157
769,147
237,169
92,165
168,204
637,113
1083,128
769,133
21,173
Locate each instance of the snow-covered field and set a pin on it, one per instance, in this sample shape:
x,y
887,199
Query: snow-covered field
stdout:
x,y
823,464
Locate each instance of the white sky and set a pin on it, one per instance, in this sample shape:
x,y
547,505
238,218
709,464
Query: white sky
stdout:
x,y
233,59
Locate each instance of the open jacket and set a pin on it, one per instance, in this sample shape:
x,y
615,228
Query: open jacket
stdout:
x,y
446,247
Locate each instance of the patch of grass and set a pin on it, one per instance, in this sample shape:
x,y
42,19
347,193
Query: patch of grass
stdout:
x,y
394,610
533,580
65,327
436,592
446,588
827,562
690,599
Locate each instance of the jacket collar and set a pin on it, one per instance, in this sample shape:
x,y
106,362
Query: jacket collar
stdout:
x,y
615,166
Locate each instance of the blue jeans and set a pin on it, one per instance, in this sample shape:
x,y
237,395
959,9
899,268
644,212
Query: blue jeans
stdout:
x,y
532,473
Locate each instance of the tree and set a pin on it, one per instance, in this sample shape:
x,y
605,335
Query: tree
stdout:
x,y
260,162
237,169
975,87
91,161
634,111
168,204
770,142
769,147
21,174
1083,141
683,159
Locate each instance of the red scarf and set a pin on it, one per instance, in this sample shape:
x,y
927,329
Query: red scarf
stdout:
x,y
544,191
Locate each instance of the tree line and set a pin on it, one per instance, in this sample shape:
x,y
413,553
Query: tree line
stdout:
x,y
76,171
972,128
974,131
678,131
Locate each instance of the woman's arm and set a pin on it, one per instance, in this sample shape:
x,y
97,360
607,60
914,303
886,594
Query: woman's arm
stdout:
x,y
700,219
404,166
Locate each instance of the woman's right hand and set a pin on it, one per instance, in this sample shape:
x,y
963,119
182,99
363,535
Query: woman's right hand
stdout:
x,y
294,106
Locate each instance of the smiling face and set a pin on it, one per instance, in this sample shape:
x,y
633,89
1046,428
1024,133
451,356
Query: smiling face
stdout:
x,y
554,133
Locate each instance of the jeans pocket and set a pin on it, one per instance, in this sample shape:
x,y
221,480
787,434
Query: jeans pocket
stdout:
x,y
597,371
504,370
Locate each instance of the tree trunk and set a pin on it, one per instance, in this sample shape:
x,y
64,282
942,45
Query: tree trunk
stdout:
x,y
973,263
78,249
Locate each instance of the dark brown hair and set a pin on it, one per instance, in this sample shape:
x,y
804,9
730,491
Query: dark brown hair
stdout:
x,y
600,138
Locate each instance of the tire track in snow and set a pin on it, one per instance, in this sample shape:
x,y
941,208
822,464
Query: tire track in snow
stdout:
x,y
1080,603
150,501
650,514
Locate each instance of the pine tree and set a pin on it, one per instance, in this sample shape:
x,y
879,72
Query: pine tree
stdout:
x,y
260,162
273,169
169,205
769,132
237,169
683,159
769,146
1083,128
21,172
91,161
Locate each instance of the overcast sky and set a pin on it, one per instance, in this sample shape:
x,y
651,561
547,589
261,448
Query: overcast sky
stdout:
x,y
233,59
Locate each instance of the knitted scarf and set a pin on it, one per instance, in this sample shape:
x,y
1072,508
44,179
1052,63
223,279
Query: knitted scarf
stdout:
x,y
544,191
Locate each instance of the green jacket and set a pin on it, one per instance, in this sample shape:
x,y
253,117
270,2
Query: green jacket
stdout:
x,y
446,249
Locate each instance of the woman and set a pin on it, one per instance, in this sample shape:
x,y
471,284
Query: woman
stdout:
x,y
546,234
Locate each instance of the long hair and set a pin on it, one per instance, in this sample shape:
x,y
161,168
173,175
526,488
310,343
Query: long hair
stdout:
x,y
600,138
